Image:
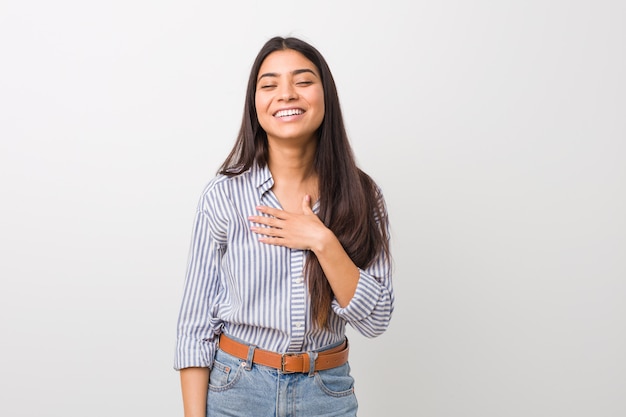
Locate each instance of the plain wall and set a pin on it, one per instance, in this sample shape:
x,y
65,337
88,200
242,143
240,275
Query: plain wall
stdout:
x,y
497,131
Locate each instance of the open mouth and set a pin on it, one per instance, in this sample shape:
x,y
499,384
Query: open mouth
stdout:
x,y
288,112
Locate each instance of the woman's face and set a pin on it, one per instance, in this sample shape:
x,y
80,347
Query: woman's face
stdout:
x,y
289,97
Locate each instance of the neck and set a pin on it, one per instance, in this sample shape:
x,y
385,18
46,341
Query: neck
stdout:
x,y
292,164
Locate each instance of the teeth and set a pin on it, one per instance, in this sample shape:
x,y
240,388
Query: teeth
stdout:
x,y
290,112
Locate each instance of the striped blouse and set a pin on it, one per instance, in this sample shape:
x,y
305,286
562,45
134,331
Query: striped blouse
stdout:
x,y
257,292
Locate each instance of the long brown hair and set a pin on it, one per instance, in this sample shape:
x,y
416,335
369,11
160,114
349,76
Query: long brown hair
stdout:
x,y
350,204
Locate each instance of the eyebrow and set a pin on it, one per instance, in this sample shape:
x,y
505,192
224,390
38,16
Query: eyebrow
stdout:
x,y
294,72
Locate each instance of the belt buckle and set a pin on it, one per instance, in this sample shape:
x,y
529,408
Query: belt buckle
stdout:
x,y
282,362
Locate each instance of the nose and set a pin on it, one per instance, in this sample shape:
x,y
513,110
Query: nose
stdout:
x,y
287,92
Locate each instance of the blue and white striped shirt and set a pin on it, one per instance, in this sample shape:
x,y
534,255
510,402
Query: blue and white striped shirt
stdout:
x,y
257,292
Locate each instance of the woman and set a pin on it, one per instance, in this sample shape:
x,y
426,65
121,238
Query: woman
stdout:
x,y
290,243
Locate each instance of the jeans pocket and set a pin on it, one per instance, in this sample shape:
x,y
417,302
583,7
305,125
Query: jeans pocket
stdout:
x,y
336,382
224,373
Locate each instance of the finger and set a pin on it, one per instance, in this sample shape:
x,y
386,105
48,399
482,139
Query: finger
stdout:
x,y
262,231
271,211
306,204
258,219
269,227
268,221
275,241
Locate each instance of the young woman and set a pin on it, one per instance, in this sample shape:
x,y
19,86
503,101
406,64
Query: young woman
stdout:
x,y
290,243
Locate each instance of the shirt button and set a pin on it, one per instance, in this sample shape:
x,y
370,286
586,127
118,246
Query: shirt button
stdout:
x,y
299,281
298,325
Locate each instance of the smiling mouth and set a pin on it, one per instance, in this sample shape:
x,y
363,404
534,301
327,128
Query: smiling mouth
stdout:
x,y
288,112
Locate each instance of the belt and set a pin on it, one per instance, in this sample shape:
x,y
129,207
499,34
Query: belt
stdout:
x,y
287,362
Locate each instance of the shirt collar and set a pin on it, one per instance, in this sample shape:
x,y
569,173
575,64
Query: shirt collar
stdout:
x,y
262,178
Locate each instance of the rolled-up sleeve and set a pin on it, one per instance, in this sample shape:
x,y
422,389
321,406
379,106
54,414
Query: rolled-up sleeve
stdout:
x,y
197,327
371,307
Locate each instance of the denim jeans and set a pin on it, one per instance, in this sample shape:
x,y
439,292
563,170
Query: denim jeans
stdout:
x,y
239,390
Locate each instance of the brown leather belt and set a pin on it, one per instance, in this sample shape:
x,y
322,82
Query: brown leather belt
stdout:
x,y
287,362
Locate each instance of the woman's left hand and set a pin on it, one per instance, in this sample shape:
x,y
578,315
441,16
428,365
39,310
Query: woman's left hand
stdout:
x,y
303,231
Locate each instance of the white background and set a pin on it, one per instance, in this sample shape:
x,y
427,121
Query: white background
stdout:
x,y
497,130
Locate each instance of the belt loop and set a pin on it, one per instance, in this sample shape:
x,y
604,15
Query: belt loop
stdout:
x,y
250,357
312,358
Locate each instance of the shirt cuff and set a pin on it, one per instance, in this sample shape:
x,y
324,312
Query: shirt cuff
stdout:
x,y
194,354
363,302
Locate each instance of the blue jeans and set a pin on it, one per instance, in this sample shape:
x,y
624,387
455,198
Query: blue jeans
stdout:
x,y
239,390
